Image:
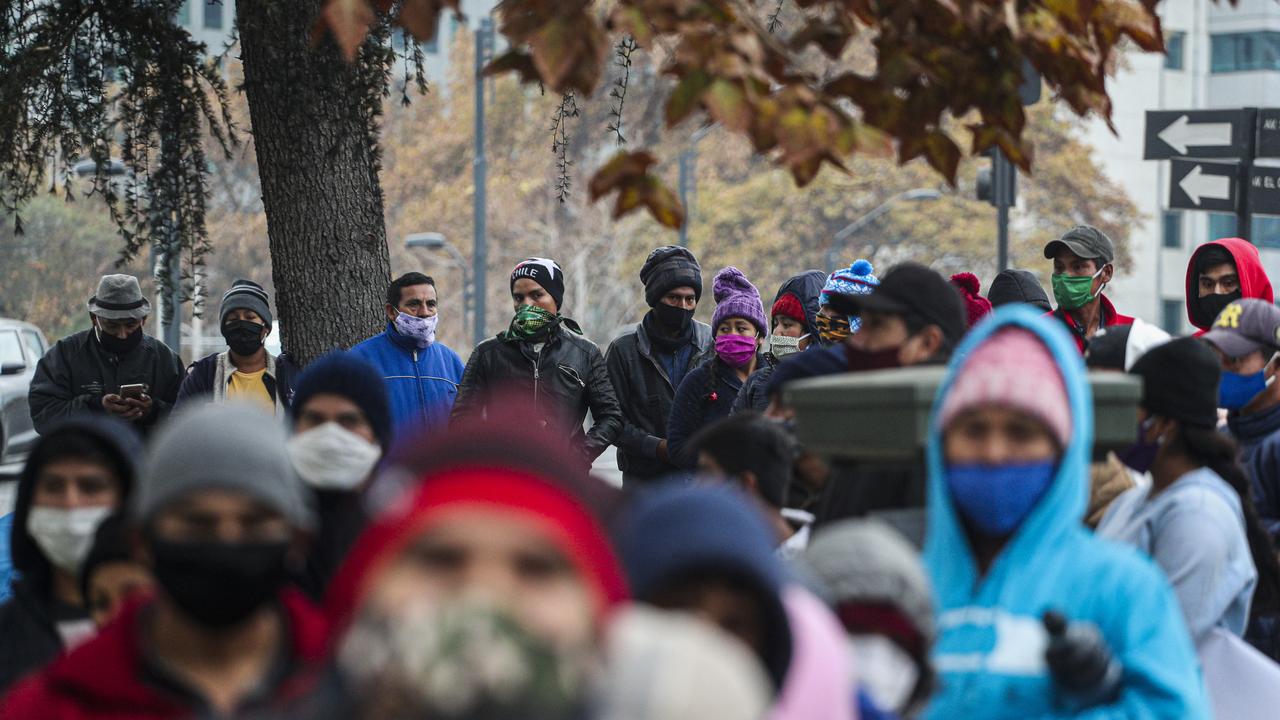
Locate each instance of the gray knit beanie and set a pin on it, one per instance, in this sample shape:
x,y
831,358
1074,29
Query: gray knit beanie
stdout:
x,y
223,446
246,295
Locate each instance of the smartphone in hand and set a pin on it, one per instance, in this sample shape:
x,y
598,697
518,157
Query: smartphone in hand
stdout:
x,y
133,392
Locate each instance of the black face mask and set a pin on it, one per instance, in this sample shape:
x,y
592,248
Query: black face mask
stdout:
x,y
1209,306
219,585
119,345
671,319
244,337
862,360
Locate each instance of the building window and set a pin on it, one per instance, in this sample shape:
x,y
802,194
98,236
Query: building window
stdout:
x,y
213,14
1172,229
1239,52
1266,231
184,13
1173,47
1221,225
1171,314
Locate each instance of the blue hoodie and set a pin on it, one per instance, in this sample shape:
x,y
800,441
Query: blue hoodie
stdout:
x,y
420,383
991,643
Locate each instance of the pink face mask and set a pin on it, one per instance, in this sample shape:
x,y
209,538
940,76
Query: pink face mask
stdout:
x,y
736,350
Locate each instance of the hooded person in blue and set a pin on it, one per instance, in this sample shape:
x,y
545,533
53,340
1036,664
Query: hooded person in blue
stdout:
x,y
793,328
422,374
1007,461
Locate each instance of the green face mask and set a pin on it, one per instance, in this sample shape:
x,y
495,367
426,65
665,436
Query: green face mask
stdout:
x,y
1074,291
530,322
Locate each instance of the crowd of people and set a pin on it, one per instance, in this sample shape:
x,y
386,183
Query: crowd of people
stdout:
x,y
388,532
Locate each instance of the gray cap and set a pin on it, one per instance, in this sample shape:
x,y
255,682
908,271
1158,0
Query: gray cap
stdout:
x,y
1245,326
225,446
867,561
119,297
1086,241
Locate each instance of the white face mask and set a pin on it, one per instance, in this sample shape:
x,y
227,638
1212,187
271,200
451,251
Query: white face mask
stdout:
x,y
330,457
884,670
65,536
781,346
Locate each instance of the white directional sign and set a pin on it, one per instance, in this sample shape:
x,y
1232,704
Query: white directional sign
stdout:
x,y
1198,133
1203,186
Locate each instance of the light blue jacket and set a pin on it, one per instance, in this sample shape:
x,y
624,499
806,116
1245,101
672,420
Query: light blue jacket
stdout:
x,y
421,384
990,652
1194,530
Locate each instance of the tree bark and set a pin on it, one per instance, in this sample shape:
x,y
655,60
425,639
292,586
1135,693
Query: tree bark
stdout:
x,y
318,165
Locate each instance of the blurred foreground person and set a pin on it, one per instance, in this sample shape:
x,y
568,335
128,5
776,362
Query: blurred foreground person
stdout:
x,y
480,594
1037,617
79,472
111,576
877,585
542,362
669,666
726,574
342,424
220,515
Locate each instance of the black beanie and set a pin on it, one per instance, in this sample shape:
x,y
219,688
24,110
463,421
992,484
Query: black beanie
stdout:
x,y
245,295
546,273
1180,381
670,267
352,377
1018,286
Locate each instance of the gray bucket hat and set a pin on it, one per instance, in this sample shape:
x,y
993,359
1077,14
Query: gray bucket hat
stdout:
x,y
119,297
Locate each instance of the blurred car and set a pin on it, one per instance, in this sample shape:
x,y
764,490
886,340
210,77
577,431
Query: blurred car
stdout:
x,y
21,347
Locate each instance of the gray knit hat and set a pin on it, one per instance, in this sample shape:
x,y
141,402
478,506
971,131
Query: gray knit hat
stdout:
x,y
223,446
245,295
867,561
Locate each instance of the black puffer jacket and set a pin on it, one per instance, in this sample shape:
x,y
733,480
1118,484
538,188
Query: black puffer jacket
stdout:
x,y
564,381
76,372
806,287
29,637
646,394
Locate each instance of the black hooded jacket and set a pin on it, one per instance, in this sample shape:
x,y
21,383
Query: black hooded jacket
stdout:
x,y
807,286
29,637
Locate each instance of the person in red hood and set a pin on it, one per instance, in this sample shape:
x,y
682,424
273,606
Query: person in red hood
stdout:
x,y
220,516
1220,272
485,586
1082,269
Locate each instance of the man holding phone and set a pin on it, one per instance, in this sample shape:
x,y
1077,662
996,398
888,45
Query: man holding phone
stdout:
x,y
111,368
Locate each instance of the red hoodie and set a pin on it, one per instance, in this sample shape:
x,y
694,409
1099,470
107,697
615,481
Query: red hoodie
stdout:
x,y
1253,278
100,680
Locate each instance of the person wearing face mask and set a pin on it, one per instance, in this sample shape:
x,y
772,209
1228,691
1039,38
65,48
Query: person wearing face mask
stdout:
x,y
79,472
835,326
1196,519
422,374
646,363
794,329
1246,337
709,390
341,428
1082,268
482,591
220,518
85,372
1219,273
543,357
245,371
876,584
1006,457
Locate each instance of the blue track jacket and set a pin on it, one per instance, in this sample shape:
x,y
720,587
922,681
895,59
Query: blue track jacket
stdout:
x,y
991,641
420,383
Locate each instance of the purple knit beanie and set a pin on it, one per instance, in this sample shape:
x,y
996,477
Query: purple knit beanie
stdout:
x,y
736,297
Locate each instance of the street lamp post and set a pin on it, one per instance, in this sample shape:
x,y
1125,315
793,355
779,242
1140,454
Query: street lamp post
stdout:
x,y
687,184
861,223
437,241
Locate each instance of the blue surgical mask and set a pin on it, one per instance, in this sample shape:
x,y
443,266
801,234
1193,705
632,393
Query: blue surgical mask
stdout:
x,y
995,499
1237,390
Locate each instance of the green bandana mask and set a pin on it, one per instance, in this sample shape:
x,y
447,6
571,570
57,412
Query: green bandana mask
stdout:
x,y
1074,291
530,322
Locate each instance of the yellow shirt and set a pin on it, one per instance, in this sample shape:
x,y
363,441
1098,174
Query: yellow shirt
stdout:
x,y
249,387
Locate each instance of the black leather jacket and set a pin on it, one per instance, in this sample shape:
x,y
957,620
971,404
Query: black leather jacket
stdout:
x,y
564,381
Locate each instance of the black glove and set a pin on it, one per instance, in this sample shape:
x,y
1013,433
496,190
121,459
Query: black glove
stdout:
x,y
1080,662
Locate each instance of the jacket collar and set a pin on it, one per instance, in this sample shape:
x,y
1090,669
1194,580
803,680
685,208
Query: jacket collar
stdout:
x,y
1256,426
399,340
698,339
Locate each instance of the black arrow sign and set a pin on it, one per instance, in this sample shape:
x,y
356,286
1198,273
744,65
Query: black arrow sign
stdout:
x,y
1202,186
1198,133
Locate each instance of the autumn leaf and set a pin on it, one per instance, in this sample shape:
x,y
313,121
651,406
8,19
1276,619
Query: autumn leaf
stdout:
x,y
348,21
684,98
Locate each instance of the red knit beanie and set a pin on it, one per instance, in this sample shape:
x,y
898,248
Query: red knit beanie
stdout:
x,y
975,306
788,305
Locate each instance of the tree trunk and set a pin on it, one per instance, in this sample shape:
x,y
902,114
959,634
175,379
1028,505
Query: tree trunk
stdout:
x,y
318,166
